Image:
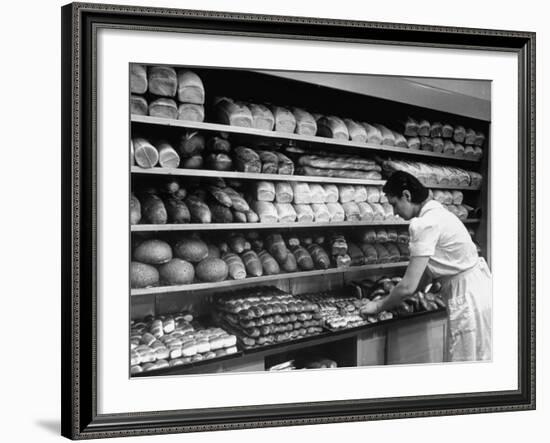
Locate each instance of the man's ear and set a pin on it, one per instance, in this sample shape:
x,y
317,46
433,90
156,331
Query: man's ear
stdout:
x,y
407,195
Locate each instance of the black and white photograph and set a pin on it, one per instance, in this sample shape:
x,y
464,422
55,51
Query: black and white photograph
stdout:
x,y
291,220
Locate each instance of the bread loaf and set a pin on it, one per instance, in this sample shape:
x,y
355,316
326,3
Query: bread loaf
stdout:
x,y
220,213
168,157
190,112
436,129
233,113
135,210
479,139
266,211
276,247
319,256
283,193
212,270
392,235
413,143
410,127
381,235
351,211
424,128
235,265
356,255
164,108
388,211
191,143
286,166
448,147
332,127
220,196
153,210
269,264
321,213
426,144
478,153
262,117
252,263
400,140
378,212
373,194
403,250
341,173
365,211
177,210
270,162
368,236
356,131
360,194
301,192
153,252
191,249
304,213
382,252
162,80
237,201
370,253
475,179
284,119
290,264
374,136
459,134
247,160
265,191
469,137
285,212
177,272
447,131
469,152
219,162
193,162
346,193
213,251
305,123
303,258
251,216
336,212
459,150
331,193
138,105
199,211
394,255
388,138
338,245
143,275
190,87
239,217
138,79
439,196
340,162
145,154
438,144
318,194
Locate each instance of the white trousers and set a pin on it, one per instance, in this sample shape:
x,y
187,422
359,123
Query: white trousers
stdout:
x,y
469,305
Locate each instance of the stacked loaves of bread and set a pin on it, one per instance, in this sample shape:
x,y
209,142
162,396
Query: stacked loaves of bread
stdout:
x,y
263,316
172,340
162,91
453,201
341,166
455,141
433,175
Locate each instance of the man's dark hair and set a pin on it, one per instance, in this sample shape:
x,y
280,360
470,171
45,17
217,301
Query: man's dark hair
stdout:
x,y
399,181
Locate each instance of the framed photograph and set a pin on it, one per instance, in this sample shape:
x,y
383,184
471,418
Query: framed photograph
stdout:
x,y
273,221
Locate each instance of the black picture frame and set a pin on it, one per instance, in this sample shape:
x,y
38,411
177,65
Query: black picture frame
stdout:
x,y
79,390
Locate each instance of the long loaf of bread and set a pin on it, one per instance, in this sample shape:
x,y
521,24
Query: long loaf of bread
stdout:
x,y
138,79
340,173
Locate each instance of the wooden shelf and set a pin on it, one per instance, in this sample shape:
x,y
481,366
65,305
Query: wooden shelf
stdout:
x,y
265,278
251,226
275,177
145,119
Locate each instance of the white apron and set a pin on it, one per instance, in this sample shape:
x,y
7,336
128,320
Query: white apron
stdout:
x,y
468,296
467,283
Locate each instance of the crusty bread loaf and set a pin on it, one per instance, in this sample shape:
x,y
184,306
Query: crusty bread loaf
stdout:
x,y
164,108
448,147
447,131
478,152
270,162
246,160
153,252
336,212
264,191
459,150
436,129
234,113
365,211
410,127
153,210
318,194
374,136
145,154
351,211
304,213
143,275
135,210
138,105
426,144
266,211
191,112
424,128
177,210
168,157
357,132
459,134
413,143
302,193
388,139
360,194
332,127
331,193
284,119
438,144
177,272
191,143
283,193
479,139
470,137
190,87
285,212
262,117
320,212
346,193
138,79
469,151
400,140
212,270
305,122
219,162
286,165
162,80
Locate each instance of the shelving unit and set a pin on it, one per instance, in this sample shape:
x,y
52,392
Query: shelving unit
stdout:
x,y
374,343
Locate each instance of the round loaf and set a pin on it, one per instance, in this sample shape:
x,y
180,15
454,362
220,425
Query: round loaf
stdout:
x,y
177,272
212,270
192,249
143,275
153,252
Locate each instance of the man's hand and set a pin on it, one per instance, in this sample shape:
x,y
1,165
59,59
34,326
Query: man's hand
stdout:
x,y
371,308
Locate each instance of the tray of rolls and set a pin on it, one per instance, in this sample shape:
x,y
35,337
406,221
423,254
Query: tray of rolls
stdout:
x,y
160,343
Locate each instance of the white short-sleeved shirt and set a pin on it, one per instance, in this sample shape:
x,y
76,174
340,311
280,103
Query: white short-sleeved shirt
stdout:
x,y
441,235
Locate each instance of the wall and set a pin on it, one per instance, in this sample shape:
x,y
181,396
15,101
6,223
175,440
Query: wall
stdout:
x,y
31,234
